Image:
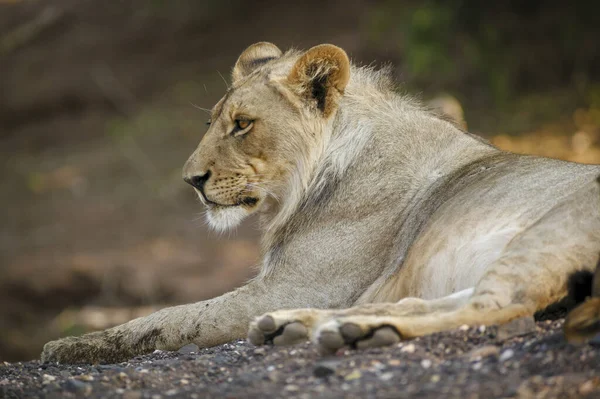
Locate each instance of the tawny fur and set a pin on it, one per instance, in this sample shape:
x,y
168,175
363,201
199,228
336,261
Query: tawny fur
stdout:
x,y
366,199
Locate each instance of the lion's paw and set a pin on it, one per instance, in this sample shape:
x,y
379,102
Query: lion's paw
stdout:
x,y
357,332
88,348
67,350
284,327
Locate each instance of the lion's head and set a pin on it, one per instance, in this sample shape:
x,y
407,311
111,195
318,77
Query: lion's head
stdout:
x,y
265,128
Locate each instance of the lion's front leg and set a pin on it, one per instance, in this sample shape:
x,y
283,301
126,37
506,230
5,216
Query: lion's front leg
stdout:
x,y
206,323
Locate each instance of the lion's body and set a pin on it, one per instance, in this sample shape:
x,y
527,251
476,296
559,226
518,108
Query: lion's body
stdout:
x,y
367,199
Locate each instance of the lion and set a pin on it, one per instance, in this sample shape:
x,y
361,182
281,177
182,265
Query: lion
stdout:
x,y
381,221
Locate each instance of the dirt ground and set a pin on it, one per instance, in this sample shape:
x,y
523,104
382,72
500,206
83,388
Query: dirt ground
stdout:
x,y
469,363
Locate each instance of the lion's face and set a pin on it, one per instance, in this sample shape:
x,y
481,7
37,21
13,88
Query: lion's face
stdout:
x,y
257,135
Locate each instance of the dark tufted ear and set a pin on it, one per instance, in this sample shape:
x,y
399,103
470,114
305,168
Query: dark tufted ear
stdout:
x,y
321,75
253,57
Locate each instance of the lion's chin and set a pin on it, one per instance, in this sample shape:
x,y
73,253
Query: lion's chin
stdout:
x,y
225,218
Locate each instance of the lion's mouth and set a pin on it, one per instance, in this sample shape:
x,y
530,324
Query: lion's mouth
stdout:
x,y
245,201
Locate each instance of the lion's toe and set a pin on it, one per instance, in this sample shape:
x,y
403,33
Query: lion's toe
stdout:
x,y
336,334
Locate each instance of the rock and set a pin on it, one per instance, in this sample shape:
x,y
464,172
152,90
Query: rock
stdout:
x,y
485,351
189,348
132,395
86,377
77,386
516,328
355,375
410,348
426,363
507,354
386,376
325,368
260,351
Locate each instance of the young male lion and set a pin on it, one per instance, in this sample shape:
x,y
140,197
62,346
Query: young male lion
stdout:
x,y
380,219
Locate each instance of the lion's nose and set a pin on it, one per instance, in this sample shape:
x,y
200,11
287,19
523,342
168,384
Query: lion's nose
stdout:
x,y
198,181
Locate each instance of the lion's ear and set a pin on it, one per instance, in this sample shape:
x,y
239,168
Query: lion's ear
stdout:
x,y
321,75
253,57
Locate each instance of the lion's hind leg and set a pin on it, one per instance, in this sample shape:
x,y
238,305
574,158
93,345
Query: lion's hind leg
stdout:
x,y
531,273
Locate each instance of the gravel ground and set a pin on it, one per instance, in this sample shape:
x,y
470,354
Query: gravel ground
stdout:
x,y
523,359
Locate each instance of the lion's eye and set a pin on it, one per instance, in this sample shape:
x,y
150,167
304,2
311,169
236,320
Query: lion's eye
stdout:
x,y
208,122
241,126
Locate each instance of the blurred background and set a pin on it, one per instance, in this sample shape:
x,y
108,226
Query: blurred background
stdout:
x,y
97,117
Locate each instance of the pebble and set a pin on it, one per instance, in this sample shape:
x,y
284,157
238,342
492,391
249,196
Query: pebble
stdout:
x,y
516,328
386,376
325,368
484,351
587,387
435,378
410,348
355,375
507,354
48,378
260,351
464,327
86,377
394,362
132,395
292,388
425,363
189,348
74,385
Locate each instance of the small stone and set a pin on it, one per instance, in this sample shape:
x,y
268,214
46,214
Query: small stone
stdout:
x,y
516,328
120,391
386,376
595,341
587,387
481,329
425,363
507,354
171,392
260,351
189,348
394,362
484,351
435,378
74,385
132,395
355,375
292,388
48,378
183,381
122,376
325,368
86,377
464,327
410,348
477,366
65,374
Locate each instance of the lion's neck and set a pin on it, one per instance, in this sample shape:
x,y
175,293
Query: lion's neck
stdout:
x,y
381,156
